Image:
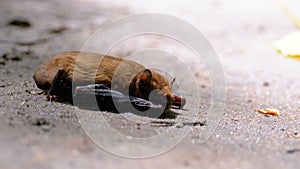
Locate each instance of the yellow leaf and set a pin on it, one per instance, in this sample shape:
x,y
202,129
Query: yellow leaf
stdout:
x,y
289,45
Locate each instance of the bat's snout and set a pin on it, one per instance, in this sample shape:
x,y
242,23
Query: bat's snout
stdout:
x,y
179,102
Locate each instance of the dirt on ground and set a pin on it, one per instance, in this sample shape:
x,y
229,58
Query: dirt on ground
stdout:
x,y
36,133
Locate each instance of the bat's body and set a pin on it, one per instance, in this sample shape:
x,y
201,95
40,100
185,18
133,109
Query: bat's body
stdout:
x,y
59,73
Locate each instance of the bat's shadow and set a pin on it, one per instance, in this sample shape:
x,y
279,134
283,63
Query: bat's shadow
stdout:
x,y
108,105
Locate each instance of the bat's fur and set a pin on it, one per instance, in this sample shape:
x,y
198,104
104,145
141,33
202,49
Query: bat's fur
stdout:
x,y
89,68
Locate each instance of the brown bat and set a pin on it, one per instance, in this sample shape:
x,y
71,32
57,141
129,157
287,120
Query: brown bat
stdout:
x,y
104,76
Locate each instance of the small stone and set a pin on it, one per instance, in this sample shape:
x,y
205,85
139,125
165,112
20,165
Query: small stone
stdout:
x,y
266,84
21,23
46,128
12,56
3,85
40,122
293,151
2,61
179,125
58,30
198,123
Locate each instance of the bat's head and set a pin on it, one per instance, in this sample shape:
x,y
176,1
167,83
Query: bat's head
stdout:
x,y
149,84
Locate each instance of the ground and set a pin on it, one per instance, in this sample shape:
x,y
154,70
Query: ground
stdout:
x,y
36,133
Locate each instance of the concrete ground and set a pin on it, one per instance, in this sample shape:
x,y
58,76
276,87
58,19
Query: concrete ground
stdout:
x,y
36,133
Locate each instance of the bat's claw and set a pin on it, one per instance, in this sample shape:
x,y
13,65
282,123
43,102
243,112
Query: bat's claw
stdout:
x,y
51,98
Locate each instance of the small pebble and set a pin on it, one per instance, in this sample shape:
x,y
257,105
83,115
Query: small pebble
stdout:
x,y
3,85
46,128
179,125
58,30
21,23
2,61
293,151
12,56
266,84
40,122
203,86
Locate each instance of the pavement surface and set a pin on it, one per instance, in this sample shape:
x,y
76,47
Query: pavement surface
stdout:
x,y
36,133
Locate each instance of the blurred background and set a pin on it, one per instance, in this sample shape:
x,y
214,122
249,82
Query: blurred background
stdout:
x,y
40,134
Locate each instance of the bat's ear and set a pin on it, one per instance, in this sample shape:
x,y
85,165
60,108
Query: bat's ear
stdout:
x,y
146,75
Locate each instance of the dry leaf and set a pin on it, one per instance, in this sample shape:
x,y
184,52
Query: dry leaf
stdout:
x,y
293,136
273,112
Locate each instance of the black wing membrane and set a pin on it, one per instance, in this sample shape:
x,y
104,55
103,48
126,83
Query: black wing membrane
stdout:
x,y
101,90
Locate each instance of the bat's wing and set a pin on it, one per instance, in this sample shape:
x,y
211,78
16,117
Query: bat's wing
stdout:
x,y
101,90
